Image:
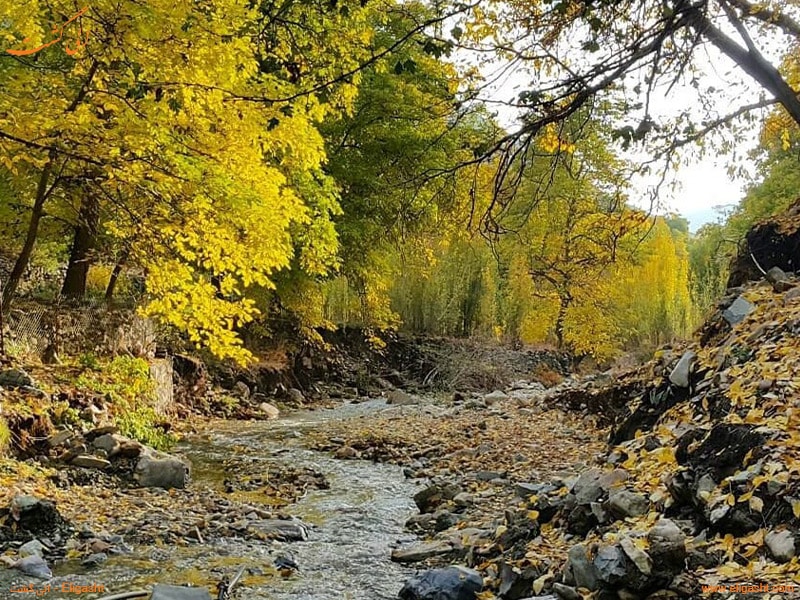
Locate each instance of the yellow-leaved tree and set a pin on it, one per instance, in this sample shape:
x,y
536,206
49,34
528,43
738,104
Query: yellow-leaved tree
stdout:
x,y
185,133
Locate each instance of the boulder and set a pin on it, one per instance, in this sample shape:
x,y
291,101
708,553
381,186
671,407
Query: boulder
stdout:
x,y
15,378
287,530
680,374
35,566
110,443
580,569
400,398
738,310
423,551
779,279
156,469
450,583
781,545
432,496
295,396
270,410
667,545
611,565
494,397
624,503
34,547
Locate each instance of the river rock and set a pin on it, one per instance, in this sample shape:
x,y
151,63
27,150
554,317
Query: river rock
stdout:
x,y
34,547
156,469
270,410
287,530
680,374
109,443
35,566
90,461
15,378
422,551
93,560
175,592
432,496
624,503
295,396
400,398
494,397
450,583
781,545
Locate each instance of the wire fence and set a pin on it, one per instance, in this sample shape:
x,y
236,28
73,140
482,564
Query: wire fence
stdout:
x,y
44,328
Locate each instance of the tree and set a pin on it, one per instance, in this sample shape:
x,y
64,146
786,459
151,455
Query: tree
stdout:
x,y
187,131
577,52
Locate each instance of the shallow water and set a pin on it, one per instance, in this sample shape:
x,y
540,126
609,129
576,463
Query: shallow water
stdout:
x,y
354,524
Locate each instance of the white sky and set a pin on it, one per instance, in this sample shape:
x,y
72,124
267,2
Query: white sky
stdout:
x,y
702,184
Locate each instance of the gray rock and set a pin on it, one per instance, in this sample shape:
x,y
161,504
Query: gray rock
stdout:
x,y
792,294
32,548
400,398
93,560
241,390
422,551
35,566
781,545
779,279
680,374
667,545
494,397
60,438
581,568
15,378
156,469
450,583
110,443
565,592
175,592
296,396
288,530
591,484
738,310
464,499
432,496
610,564
624,503
270,410
637,556
90,461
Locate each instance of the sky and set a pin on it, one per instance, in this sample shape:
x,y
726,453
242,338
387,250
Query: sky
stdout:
x,y
701,186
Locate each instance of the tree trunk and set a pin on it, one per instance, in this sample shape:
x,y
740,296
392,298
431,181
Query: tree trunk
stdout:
x,y
82,246
30,238
112,281
562,313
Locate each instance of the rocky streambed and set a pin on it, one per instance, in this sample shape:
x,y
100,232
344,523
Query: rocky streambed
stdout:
x,y
303,523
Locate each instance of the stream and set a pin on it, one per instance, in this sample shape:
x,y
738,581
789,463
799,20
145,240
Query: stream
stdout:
x,y
353,526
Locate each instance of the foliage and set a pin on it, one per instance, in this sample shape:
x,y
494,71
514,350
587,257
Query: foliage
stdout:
x,y
5,435
126,383
194,133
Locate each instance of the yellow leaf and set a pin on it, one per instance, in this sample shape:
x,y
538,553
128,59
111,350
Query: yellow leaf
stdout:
x,y
756,504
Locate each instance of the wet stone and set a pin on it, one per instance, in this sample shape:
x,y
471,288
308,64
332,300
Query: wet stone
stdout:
x,y
423,551
451,583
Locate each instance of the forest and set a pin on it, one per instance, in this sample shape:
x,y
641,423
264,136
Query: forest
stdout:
x,y
238,209
336,164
